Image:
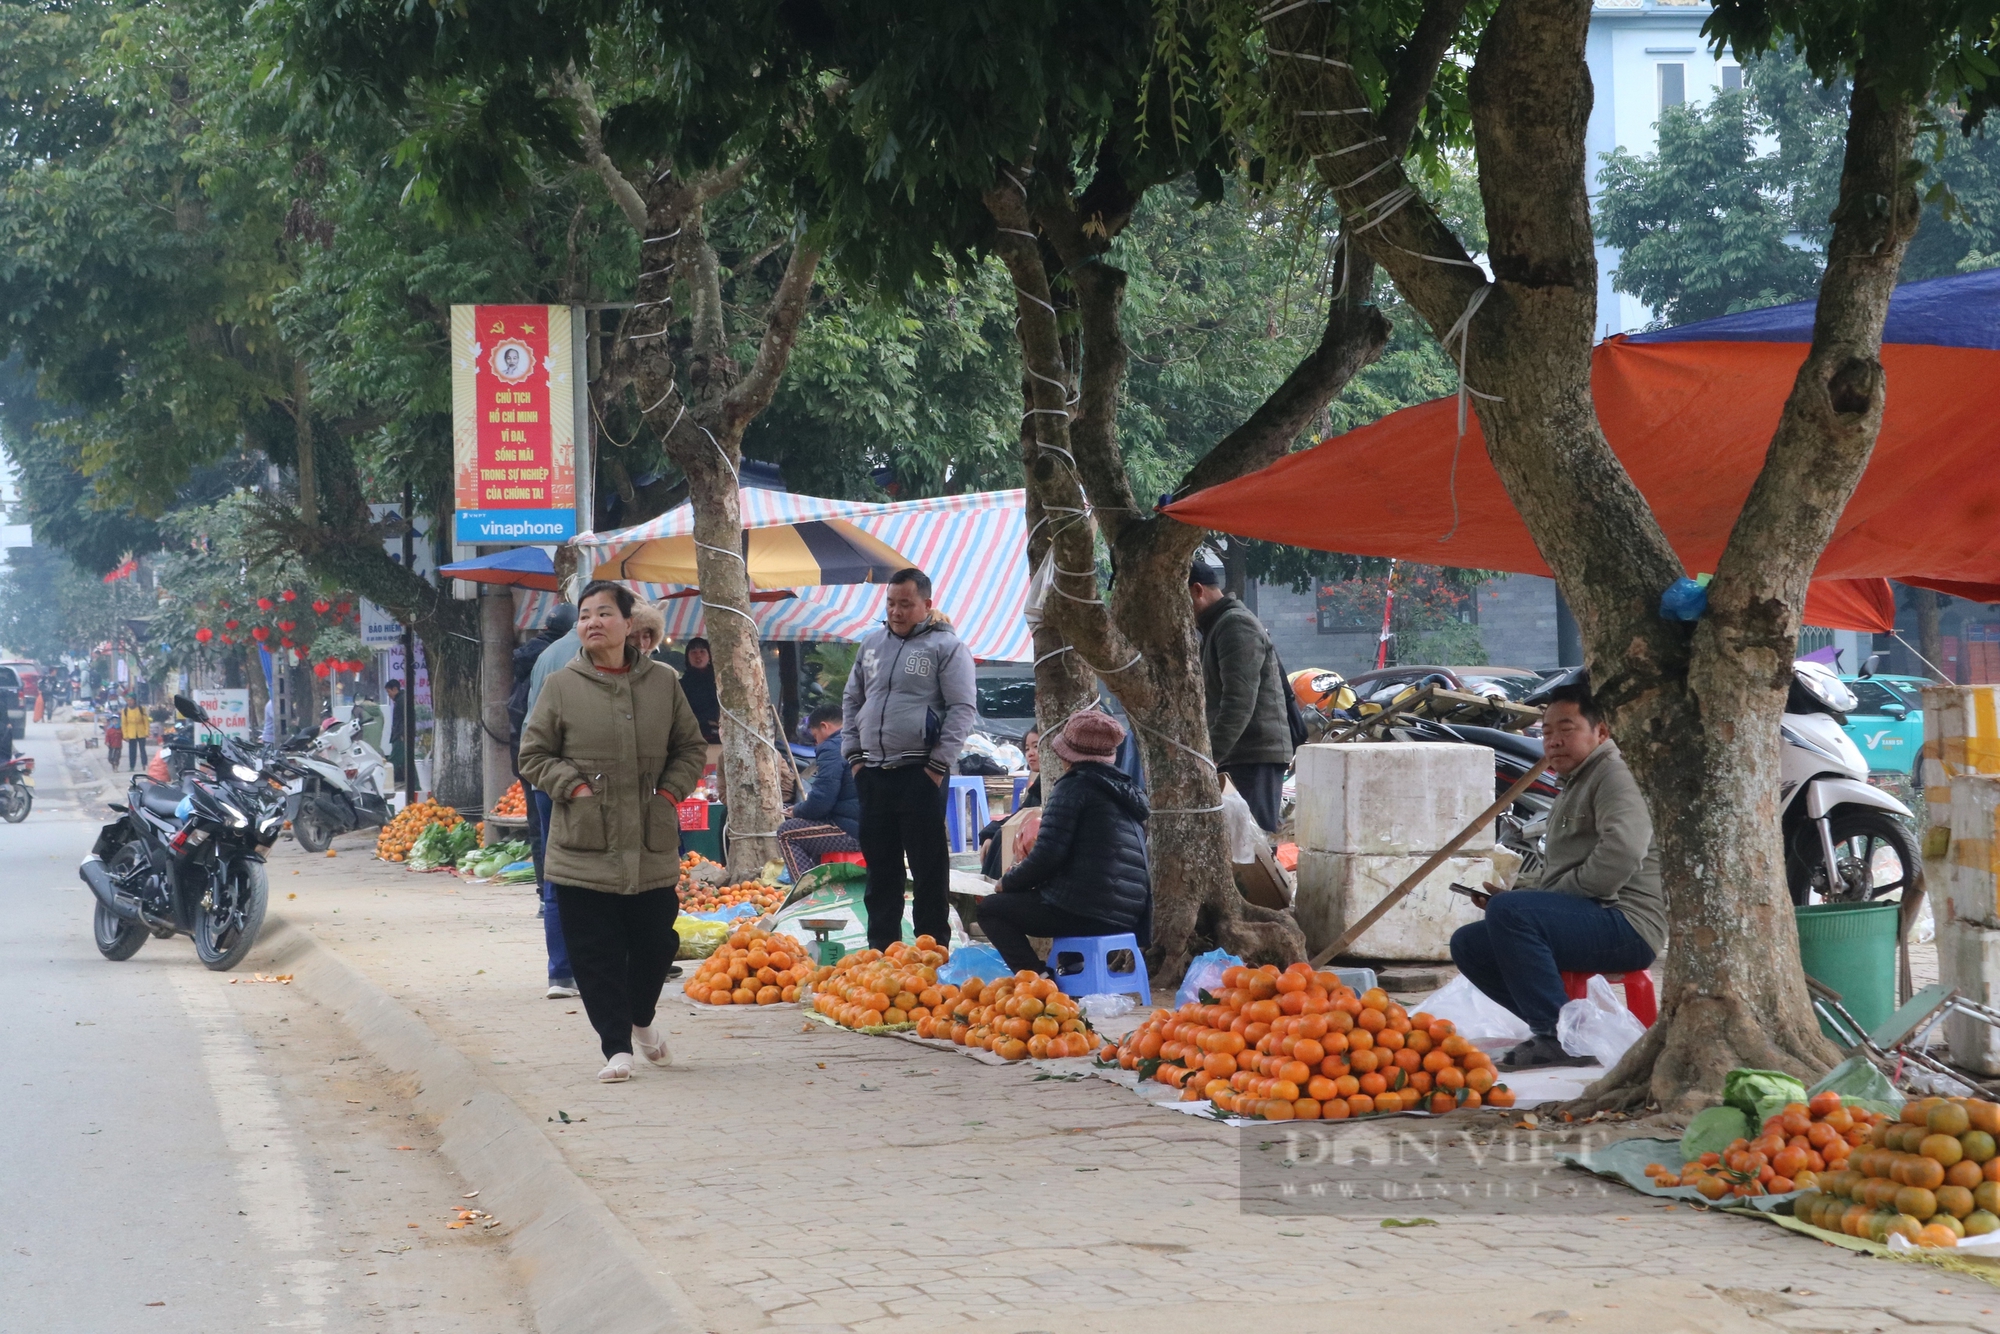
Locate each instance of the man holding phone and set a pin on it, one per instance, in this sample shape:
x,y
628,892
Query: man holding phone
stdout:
x,y
1599,906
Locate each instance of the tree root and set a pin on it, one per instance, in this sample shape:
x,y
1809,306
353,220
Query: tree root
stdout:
x,y
1679,1065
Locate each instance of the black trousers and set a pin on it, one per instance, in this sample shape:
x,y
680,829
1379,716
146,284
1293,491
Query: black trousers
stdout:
x,y
902,815
136,759
1262,787
1009,919
620,948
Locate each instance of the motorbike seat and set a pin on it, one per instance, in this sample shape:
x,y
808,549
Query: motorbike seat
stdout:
x,y
1525,748
160,799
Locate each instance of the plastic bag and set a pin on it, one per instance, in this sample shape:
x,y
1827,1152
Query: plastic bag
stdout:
x,y
1598,1026
1244,835
730,914
1860,1084
699,939
975,960
1476,1016
1761,1093
1205,974
1102,1007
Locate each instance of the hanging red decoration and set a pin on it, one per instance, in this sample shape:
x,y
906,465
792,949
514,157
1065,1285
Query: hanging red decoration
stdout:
x,y
340,608
228,640
289,596
320,605
284,642
320,670
203,635
264,604
229,625
260,634
288,626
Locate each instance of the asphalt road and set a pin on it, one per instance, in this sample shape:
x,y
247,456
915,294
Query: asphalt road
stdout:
x,y
184,1154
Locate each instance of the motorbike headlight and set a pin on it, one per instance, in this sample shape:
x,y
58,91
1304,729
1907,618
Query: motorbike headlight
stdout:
x,y
243,773
269,824
237,819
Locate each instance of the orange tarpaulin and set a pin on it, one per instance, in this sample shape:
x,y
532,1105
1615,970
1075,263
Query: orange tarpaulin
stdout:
x,y
1691,421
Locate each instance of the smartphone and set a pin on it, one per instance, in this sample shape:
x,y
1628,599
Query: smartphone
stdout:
x,y
1470,892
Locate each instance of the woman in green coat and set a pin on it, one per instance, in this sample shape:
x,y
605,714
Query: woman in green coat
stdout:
x,y
615,745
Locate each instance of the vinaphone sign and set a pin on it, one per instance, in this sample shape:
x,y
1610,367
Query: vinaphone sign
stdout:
x,y
516,383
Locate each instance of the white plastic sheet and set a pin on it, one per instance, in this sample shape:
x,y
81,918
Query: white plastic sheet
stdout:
x,y
1472,1013
1598,1026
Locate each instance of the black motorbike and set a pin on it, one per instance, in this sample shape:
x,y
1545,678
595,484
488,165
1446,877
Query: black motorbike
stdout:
x,y
187,857
17,788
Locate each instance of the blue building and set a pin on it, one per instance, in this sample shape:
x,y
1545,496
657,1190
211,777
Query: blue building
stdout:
x,y
1644,56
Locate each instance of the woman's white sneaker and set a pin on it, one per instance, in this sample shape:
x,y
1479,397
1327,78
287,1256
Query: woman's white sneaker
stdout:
x,y
652,1046
616,1070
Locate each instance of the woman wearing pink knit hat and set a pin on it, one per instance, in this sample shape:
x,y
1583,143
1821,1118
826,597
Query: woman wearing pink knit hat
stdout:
x,y
1087,874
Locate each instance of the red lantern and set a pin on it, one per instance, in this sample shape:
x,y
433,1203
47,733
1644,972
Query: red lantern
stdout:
x,y
203,635
260,634
229,625
320,605
320,670
289,596
340,608
263,604
228,640
284,642
288,626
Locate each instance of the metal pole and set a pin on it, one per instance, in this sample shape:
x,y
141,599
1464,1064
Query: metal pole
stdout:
x,y
408,718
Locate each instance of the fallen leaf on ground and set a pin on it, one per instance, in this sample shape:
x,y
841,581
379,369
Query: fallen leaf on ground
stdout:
x,y
405,1148
1409,1222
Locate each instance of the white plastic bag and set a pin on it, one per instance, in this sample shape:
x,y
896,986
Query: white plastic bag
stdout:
x,y
1100,1007
1598,1026
1475,1016
1244,835
1205,974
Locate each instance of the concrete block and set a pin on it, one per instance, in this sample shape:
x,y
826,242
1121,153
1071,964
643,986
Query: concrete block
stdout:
x,y
1336,889
1391,798
1969,959
1971,884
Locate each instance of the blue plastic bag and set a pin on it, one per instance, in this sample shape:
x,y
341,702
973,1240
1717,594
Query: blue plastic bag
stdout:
x,y
1685,599
729,914
1205,974
975,960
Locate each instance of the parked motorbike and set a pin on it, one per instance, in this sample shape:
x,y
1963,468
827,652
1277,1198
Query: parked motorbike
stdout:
x,y
187,858
338,783
17,788
1831,817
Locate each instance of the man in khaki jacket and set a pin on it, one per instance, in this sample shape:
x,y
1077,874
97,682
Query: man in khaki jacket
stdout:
x,y
1598,907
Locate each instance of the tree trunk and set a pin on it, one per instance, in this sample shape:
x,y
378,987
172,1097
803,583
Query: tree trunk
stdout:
x,y
1696,712
1930,633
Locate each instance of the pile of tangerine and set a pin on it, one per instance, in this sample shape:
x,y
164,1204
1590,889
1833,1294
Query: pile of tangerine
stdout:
x,y
1022,1017
883,988
752,967
1295,1044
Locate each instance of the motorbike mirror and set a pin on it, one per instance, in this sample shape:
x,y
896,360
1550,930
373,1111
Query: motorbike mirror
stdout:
x,y
187,708
1873,665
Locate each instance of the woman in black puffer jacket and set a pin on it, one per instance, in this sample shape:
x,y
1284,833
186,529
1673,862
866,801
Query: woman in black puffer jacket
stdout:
x,y
1087,873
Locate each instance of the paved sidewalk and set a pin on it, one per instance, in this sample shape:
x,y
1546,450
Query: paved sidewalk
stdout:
x,y
796,1178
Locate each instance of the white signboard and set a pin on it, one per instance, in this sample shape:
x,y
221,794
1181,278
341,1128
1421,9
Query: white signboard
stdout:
x,y
378,628
392,670
227,709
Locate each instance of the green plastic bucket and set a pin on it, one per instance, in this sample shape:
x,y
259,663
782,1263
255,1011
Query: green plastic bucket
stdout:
x,y
1851,947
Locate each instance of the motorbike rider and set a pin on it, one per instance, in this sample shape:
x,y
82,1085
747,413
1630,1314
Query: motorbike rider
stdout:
x,y
1598,907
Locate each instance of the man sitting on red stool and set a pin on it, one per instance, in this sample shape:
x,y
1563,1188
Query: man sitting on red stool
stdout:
x,y
1598,907
829,818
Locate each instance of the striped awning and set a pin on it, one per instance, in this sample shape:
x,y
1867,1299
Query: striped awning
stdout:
x,y
974,548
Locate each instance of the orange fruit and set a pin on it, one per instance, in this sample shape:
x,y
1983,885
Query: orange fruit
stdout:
x,y
1360,1104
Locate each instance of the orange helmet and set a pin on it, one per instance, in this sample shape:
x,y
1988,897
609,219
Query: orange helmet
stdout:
x,y
1322,689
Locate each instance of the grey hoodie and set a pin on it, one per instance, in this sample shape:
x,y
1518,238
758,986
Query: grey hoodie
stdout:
x,y
909,701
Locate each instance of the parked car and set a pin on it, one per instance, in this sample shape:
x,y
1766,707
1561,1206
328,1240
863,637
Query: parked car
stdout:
x,y
17,678
1888,723
1006,701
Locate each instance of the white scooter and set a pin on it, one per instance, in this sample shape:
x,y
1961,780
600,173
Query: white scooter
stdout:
x,y
341,783
1845,840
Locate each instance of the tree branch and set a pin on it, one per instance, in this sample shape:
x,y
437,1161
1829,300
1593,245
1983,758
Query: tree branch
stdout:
x,y
715,184
591,141
753,393
1410,84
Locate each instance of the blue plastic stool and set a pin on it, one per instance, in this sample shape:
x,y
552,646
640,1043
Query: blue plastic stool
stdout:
x,y
964,812
1081,967
1021,785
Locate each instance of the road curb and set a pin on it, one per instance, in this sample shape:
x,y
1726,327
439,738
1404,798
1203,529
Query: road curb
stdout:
x,y
585,1273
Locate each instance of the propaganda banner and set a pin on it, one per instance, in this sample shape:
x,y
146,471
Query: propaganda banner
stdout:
x,y
513,408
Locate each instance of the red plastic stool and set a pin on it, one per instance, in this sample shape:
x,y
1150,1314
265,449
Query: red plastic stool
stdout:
x,y
854,857
1639,997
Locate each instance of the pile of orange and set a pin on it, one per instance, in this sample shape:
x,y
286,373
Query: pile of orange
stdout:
x,y
883,988
394,842
1293,1044
1931,1176
1023,1017
704,898
1790,1152
513,803
752,967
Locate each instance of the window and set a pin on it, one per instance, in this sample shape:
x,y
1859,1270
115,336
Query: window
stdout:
x,y
1873,696
1006,696
1673,86
1732,78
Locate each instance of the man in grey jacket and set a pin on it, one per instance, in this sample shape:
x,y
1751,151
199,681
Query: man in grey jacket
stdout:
x,y
1249,732
1598,908
909,705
